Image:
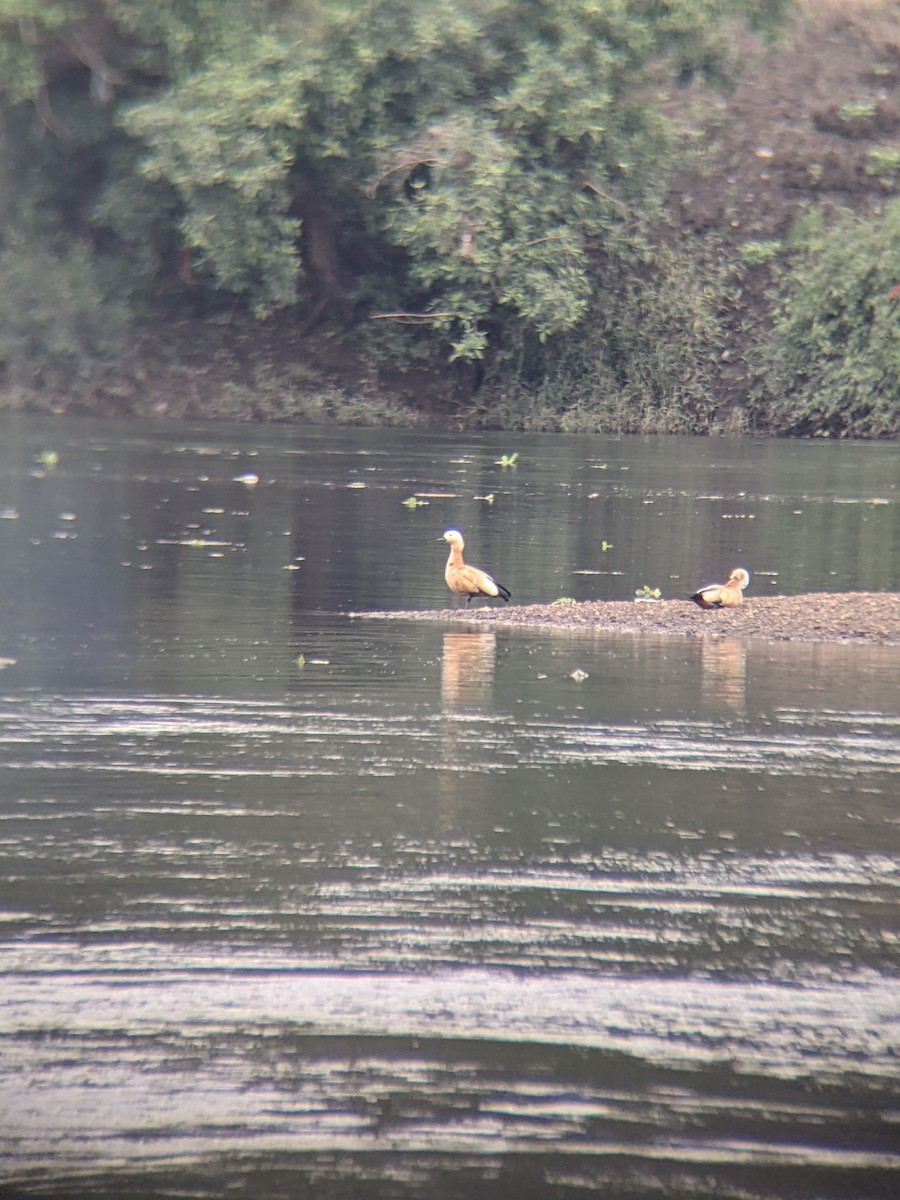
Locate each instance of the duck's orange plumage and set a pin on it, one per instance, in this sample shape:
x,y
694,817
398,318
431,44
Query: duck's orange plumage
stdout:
x,y
464,580
724,595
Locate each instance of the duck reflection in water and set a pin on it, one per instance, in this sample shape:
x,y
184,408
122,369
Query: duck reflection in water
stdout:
x,y
723,679
467,669
724,595
467,682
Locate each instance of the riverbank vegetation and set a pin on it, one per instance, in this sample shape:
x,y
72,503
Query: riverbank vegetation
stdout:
x,y
512,213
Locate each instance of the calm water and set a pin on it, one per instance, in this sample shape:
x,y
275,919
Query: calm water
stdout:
x,y
421,915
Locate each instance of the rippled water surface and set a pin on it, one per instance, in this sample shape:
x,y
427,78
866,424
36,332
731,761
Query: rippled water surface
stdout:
x,y
298,904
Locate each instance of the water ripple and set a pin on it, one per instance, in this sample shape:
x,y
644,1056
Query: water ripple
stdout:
x,y
196,736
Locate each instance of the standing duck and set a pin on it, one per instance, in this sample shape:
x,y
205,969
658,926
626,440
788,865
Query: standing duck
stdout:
x,y
468,581
724,595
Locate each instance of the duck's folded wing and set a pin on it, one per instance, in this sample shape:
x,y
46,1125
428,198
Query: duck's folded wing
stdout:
x,y
709,596
481,581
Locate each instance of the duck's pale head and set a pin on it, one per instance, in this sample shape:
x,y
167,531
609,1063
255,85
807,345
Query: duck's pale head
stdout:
x,y
454,537
739,578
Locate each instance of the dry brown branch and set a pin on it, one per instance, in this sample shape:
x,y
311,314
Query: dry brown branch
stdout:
x,y
412,318
48,117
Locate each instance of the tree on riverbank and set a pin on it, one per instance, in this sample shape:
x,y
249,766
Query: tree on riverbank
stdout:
x,y
417,181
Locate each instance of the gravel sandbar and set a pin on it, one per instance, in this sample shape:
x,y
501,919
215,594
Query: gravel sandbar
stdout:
x,y
867,617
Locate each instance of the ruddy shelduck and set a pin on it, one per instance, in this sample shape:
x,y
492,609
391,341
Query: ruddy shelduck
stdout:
x,y
724,595
464,580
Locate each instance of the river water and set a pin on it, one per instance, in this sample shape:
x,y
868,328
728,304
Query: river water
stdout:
x,y
296,903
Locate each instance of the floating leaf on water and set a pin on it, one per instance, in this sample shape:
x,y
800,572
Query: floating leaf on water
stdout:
x,y
67,516
437,495
7,662
300,660
248,479
9,514
578,675
507,460
356,484
48,459
606,546
488,499
415,502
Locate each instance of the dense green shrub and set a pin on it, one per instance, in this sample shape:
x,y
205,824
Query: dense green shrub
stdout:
x,y
832,365
646,358
61,325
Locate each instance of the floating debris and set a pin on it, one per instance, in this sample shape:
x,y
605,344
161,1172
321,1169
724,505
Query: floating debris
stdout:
x,y
192,543
578,675
248,479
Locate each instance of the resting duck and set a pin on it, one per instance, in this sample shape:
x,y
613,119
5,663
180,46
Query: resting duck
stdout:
x,y
724,595
468,581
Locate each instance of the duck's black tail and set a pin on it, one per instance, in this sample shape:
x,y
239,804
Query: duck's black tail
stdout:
x,y
504,592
